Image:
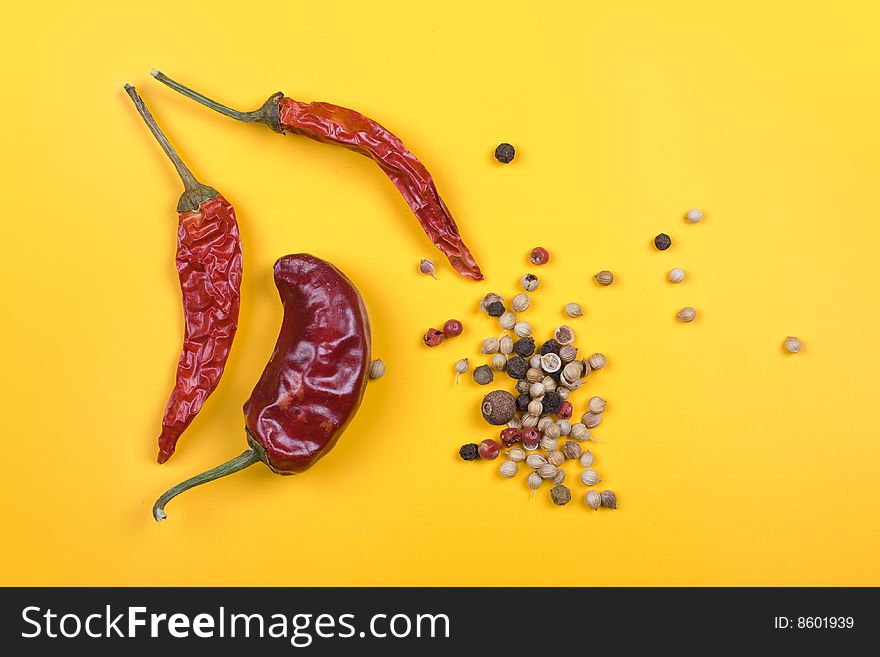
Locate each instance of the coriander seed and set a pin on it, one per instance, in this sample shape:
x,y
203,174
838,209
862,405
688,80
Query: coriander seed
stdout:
x,y
591,419
535,362
593,500
534,481
604,278
507,320
687,314
609,499
568,353
534,375
590,477
586,459
549,383
535,407
792,344
529,282
573,370
573,310
537,390
552,430
564,427
535,461
548,444
560,495
483,375
509,469
522,329
427,267
543,423
499,362
505,345
515,423
547,471
529,421
555,457
377,369
564,335
560,476
516,454
675,275
579,431
596,405
571,450
489,346
563,392
597,361
520,302
461,366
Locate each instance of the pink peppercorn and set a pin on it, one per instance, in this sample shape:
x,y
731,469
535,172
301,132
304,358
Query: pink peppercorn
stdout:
x,y
531,438
565,411
489,449
452,328
433,337
539,256
510,436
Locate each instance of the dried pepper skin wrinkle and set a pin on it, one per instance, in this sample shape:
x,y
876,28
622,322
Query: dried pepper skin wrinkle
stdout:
x,y
209,266
332,124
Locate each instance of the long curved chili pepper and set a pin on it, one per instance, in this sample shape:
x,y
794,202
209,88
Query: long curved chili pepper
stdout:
x,y
209,268
332,124
315,378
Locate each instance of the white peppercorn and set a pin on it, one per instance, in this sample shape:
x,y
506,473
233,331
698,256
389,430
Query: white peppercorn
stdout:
x,y
590,477
529,282
675,275
505,345
507,320
586,459
693,216
564,427
520,302
596,405
551,362
593,500
573,310
509,469
522,329
597,361
490,298
377,369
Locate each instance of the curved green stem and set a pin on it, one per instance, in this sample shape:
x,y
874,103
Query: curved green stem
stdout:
x,y
244,460
267,114
195,192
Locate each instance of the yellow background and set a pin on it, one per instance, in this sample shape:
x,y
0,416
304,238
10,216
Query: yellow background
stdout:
x,y
734,463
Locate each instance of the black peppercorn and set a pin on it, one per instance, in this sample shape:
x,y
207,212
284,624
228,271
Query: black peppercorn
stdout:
x,y
517,368
662,242
522,402
523,386
469,452
495,309
505,153
552,402
524,347
557,375
550,347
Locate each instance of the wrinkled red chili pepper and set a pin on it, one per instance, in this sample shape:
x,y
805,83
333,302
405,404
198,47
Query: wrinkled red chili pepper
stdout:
x,y
315,378
209,268
332,124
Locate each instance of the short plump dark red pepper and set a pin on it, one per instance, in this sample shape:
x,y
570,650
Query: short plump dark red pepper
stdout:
x,y
315,378
332,124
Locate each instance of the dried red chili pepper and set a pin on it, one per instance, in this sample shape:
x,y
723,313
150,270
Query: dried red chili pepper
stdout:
x,y
209,268
332,124
315,379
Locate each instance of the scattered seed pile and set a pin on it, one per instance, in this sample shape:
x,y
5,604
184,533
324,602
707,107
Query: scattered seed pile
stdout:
x,y
535,420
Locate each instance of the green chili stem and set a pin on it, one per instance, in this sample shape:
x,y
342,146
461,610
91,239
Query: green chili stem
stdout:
x,y
244,460
189,180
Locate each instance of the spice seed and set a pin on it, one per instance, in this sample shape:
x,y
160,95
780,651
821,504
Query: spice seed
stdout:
x,y
609,499
792,344
662,242
693,216
593,500
560,495
505,153
529,282
687,314
573,310
676,275
604,278
483,375
427,267
377,369
509,469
